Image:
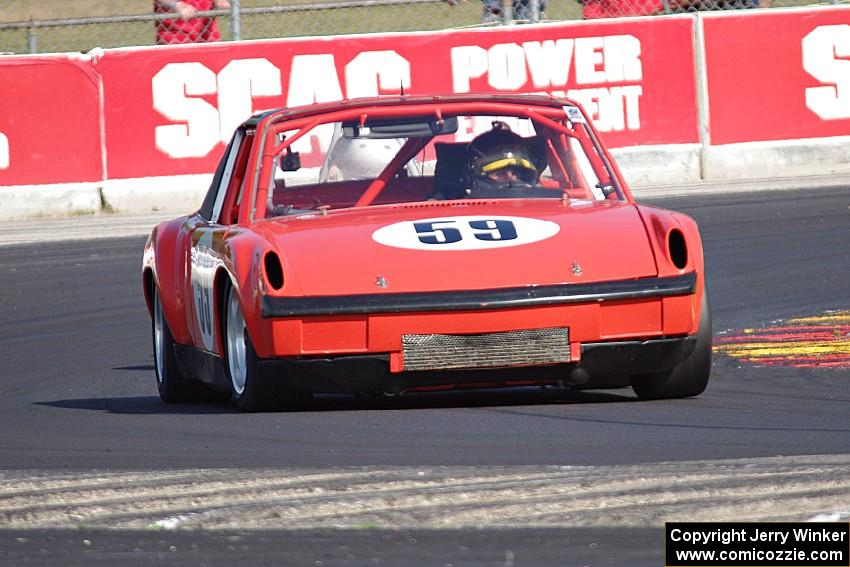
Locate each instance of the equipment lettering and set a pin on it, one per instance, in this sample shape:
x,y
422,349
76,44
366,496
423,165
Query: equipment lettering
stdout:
x,y
547,66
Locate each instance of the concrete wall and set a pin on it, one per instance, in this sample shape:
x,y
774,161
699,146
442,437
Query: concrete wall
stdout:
x,y
648,170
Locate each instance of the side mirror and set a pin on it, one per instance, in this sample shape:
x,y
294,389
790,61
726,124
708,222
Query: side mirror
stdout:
x,y
290,161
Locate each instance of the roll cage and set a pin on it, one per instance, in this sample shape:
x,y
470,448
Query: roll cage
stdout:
x,y
562,118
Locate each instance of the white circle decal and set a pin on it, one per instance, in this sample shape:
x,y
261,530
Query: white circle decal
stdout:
x,y
465,233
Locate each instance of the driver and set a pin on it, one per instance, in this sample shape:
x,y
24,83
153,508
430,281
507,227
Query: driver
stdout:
x,y
500,160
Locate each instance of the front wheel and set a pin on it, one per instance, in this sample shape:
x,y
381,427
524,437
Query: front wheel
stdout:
x,y
689,377
253,388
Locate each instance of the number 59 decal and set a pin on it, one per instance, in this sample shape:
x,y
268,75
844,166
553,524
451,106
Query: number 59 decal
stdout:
x,y
465,233
203,267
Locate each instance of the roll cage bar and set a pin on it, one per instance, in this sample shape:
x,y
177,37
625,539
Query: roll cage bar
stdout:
x,y
553,117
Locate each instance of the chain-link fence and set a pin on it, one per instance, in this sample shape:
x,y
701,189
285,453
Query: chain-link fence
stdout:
x,y
122,24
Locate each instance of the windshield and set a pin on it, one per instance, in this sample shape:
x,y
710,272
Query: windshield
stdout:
x,y
361,162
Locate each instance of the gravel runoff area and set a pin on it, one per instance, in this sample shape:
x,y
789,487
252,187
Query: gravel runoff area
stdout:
x,y
644,495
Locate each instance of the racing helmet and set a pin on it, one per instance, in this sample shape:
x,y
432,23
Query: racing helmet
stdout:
x,y
359,158
500,160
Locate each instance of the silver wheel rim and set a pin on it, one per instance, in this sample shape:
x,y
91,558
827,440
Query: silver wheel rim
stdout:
x,y
158,347
236,354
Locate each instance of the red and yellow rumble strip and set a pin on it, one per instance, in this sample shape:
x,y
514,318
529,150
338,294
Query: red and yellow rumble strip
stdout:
x,y
805,342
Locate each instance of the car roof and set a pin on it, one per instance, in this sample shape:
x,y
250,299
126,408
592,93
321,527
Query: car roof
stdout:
x,y
412,100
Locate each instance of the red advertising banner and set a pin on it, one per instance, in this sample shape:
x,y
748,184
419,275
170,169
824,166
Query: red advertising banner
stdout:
x,y
169,110
49,121
140,112
778,75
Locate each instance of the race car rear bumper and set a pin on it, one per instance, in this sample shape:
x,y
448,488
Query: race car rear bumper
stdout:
x,y
602,365
400,324
527,296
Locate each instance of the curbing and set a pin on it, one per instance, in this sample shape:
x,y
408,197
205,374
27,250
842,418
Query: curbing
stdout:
x,y
655,170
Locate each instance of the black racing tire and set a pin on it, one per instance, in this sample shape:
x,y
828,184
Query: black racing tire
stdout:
x,y
173,387
689,377
253,387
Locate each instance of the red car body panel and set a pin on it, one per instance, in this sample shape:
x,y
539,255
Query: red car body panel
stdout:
x,y
348,234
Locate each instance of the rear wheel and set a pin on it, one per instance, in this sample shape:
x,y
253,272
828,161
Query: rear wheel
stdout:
x,y
688,378
172,386
253,388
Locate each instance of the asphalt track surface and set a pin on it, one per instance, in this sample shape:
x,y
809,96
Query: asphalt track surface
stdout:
x,y
77,397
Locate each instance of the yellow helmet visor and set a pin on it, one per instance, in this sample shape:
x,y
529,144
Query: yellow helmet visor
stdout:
x,y
508,162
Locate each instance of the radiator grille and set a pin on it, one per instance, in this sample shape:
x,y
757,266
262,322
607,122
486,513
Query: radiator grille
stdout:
x,y
491,350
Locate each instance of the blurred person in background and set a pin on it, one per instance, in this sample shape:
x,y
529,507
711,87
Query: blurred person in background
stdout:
x,y
189,28
739,4
595,9
492,10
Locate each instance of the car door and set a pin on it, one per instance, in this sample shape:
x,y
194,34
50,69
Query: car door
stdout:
x,y
206,232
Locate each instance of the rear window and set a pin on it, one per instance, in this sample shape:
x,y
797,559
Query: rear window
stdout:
x,y
363,162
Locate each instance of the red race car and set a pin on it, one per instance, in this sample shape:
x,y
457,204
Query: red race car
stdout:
x,y
411,243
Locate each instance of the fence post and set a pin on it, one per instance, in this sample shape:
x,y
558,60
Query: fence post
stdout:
x,y
534,8
507,12
234,20
32,40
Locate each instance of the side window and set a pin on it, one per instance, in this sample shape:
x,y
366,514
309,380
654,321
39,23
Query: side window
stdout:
x,y
229,163
227,210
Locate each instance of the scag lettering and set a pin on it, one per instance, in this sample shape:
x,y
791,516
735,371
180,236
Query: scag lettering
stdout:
x,y
826,57
181,93
4,151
